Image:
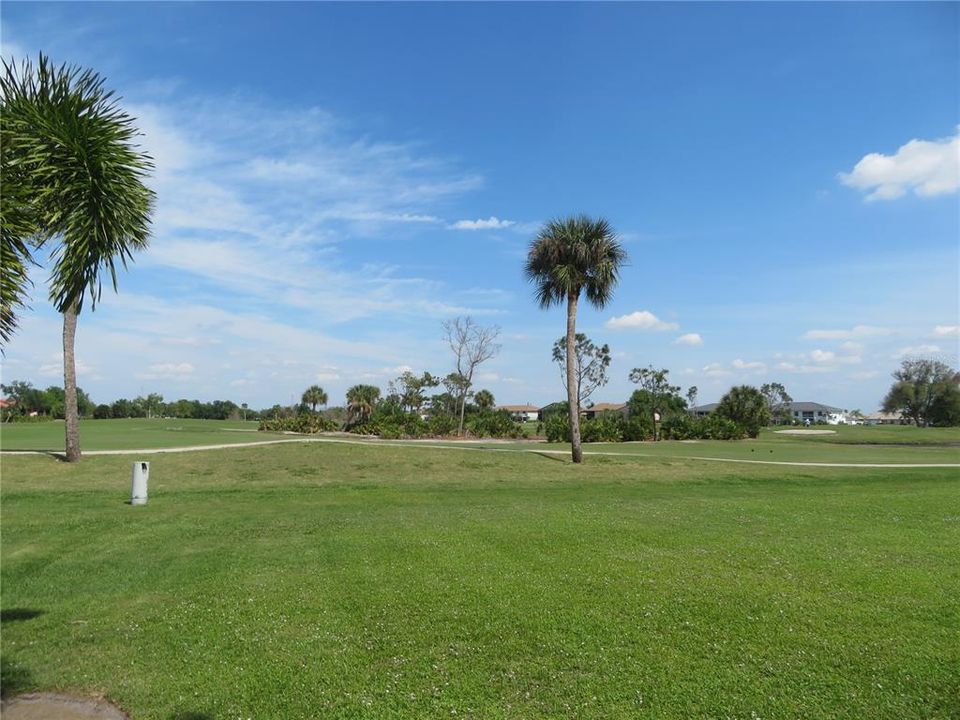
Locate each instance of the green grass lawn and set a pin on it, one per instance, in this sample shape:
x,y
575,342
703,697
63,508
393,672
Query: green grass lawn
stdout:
x,y
848,445
130,434
349,581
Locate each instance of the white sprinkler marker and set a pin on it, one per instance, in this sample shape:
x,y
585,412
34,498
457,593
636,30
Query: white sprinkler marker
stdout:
x,y
138,489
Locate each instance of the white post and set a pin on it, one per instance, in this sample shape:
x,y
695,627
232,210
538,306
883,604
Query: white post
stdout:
x,y
138,490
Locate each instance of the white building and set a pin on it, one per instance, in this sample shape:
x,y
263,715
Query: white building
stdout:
x,y
521,413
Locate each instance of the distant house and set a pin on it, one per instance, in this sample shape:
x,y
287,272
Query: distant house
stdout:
x,y
882,418
521,413
703,410
799,411
814,412
7,403
600,408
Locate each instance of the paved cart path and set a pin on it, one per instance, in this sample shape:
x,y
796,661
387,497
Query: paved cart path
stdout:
x,y
482,445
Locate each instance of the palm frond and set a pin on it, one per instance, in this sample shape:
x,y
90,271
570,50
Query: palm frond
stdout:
x,y
74,148
574,255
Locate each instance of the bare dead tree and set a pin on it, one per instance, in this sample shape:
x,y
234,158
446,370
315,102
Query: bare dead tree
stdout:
x,y
472,344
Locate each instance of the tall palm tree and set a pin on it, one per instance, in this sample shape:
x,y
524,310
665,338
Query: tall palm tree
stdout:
x,y
77,163
568,257
313,396
361,400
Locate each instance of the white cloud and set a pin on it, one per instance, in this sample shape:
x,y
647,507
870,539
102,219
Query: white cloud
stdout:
x,y
851,347
804,369
10,49
828,357
947,331
689,339
715,370
925,167
916,350
739,364
640,320
491,223
54,368
858,331
168,371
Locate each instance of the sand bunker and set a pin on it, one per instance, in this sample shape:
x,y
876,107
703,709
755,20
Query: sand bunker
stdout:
x,y
46,706
806,432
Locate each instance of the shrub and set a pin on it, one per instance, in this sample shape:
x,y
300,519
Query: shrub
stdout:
x,y
680,427
717,427
608,427
496,424
747,407
556,428
637,427
307,423
442,424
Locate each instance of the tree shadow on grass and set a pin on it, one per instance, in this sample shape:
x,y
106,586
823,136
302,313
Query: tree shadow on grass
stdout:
x,y
550,456
49,453
191,715
14,677
14,614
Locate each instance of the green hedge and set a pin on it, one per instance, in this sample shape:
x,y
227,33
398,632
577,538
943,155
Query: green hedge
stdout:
x,y
391,426
614,427
308,424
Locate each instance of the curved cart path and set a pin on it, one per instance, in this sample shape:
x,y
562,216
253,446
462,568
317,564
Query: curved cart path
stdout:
x,y
486,448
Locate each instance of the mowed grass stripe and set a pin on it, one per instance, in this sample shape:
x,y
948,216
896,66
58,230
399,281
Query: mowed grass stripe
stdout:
x,y
130,433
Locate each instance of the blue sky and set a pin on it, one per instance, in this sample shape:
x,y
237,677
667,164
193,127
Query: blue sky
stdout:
x,y
334,181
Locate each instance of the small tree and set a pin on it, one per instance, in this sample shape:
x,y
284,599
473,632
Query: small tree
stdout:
x,y
655,382
409,390
778,400
692,398
313,396
590,365
926,391
471,344
153,404
747,407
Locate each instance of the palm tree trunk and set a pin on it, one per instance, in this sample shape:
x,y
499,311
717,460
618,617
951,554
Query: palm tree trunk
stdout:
x,y
573,397
70,413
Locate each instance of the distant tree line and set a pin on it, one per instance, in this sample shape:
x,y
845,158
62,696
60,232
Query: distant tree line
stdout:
x,y
27,402
24,401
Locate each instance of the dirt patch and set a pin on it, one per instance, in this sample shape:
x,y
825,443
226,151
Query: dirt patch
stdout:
x,y
46,706
805,432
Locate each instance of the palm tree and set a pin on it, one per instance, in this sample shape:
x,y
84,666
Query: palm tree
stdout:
x,y
484,399
361,400
313,396
77,163
569,256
